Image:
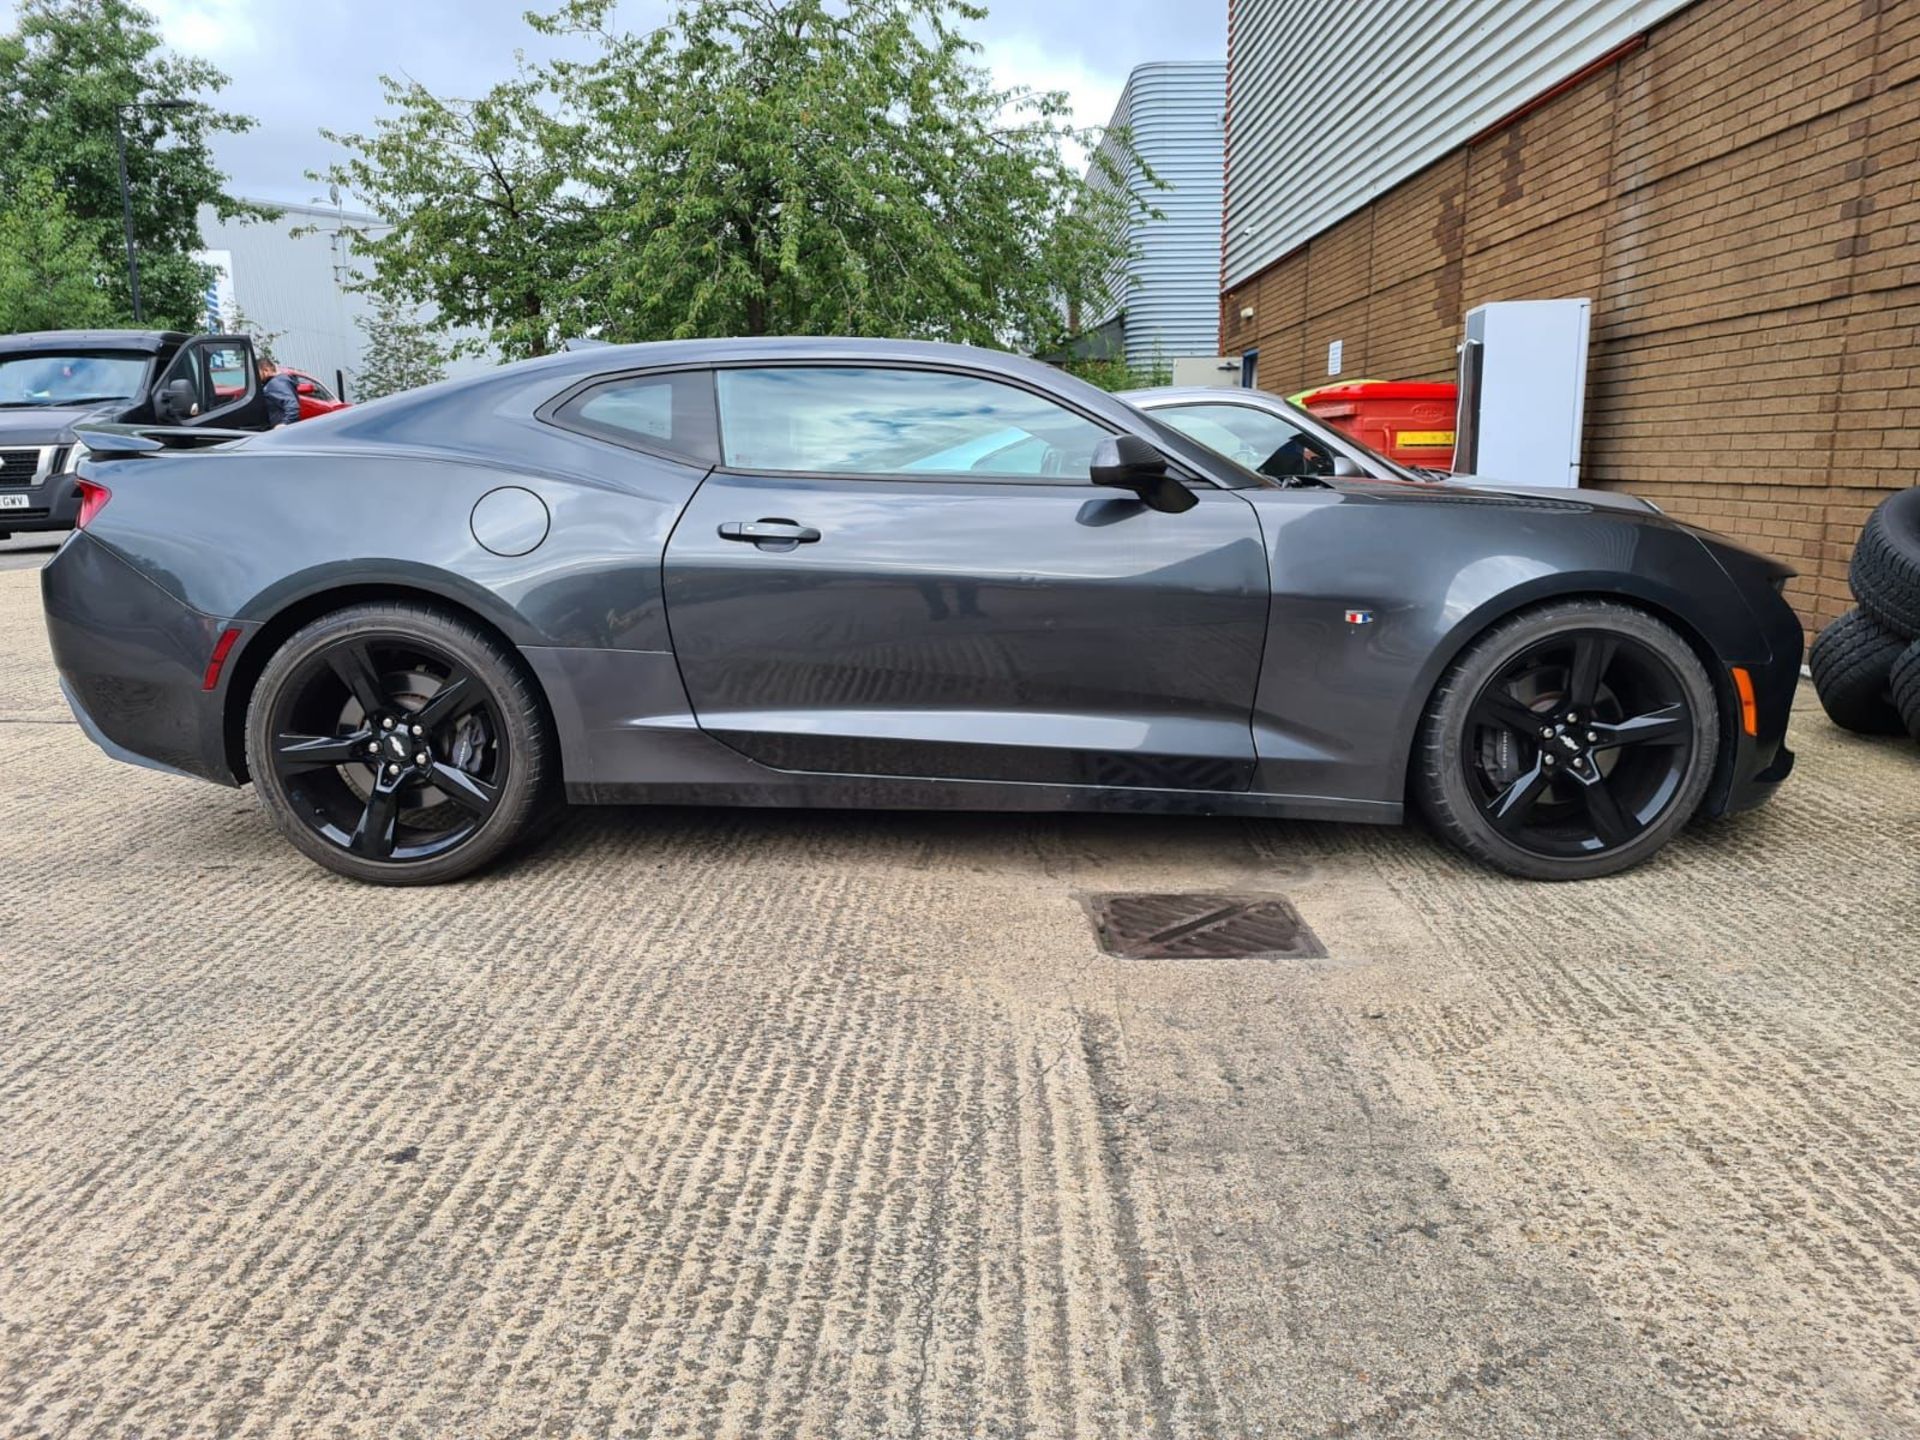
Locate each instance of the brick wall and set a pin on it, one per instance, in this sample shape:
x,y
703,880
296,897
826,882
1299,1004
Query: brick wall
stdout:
x,y
1740,197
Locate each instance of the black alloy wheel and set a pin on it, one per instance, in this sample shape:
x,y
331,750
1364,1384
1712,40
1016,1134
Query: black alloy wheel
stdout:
x,y
396,744
1570,742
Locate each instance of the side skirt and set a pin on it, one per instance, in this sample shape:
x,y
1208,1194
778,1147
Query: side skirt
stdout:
x,y
786,789
629,737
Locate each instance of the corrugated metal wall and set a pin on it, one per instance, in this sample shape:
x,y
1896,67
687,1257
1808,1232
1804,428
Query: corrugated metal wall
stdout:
x,y
1333,103
1172,296
297,284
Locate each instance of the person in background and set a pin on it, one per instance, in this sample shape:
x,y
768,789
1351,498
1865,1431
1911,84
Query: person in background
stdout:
x,y
283,401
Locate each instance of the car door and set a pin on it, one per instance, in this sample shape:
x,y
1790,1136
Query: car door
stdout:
x,y
905,570
225,389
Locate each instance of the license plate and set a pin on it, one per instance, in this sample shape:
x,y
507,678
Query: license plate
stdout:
x,y
14,502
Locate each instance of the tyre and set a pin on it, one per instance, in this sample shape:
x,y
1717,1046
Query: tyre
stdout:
x,y
397,744
1885,570
1904,685
1568,742
1851,662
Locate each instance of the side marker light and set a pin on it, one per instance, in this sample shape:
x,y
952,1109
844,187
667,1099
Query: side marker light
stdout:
x,y
1749,709
221,649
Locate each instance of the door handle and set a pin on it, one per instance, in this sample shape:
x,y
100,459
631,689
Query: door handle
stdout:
x,y
761,532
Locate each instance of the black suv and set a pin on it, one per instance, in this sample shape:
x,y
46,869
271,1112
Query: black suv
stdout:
x,y
56,379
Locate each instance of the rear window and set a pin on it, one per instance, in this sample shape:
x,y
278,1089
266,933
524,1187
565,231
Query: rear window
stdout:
x,y
672,413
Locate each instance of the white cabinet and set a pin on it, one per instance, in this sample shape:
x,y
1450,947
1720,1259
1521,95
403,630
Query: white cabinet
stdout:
x,y
1523,389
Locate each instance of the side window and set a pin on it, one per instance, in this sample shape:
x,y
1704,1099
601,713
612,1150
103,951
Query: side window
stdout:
x,y
221,375
656,412
229,373
871,420
1257,439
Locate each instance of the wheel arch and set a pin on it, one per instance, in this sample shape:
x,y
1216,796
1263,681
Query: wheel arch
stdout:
x,y
251,661
1620,591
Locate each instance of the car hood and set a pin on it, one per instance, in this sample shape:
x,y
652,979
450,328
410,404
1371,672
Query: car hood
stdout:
x,y
51,424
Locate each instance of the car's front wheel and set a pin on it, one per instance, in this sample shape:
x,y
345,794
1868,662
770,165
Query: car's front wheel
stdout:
x,y
397,744
1568,742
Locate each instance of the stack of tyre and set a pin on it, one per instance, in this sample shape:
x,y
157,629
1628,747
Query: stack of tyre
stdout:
x,y
1866,665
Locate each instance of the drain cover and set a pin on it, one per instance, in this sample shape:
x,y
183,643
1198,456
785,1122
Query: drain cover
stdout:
x,y
1202,927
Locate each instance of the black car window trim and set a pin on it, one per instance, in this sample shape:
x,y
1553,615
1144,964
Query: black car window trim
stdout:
x,y
554,412
1178,468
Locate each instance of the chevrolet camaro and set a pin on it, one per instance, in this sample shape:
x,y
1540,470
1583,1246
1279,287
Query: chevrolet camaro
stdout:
x,y
866,573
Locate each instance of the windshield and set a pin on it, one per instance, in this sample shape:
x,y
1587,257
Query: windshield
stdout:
x,y
1379,463
70,379
1281,446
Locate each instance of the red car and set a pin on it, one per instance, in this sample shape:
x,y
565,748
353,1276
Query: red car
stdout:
x,y
315,398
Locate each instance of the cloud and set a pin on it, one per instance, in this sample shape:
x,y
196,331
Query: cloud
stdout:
x,y
1023,59
223,31
298,68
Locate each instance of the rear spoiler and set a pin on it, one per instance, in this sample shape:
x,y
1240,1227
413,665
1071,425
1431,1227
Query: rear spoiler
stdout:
x,y
114,442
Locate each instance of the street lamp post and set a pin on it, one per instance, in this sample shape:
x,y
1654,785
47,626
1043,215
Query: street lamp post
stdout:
x,y
126,195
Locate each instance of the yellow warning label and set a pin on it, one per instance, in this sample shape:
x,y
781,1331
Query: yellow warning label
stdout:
x,y
1435,438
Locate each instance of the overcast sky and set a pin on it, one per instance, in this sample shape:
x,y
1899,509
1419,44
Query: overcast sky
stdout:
x,y
298,66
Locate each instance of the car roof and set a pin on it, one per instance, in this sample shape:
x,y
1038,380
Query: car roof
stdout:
x,y
143,342
746,349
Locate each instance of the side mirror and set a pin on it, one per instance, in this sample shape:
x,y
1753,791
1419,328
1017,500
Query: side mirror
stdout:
x,y
1127,462
1343,466
176,401
305,387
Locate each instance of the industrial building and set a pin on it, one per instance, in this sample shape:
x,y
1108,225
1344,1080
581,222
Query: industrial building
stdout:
x,y
1734,184
292,278
1164,304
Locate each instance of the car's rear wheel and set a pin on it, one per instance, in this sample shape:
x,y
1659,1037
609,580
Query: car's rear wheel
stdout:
x,y
1568,742
397,744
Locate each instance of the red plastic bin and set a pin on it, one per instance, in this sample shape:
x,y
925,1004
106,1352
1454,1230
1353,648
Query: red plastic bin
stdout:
x,y
1407,420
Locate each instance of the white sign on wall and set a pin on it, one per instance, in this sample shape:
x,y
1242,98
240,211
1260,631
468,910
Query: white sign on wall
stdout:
x,y
1334,351
217,301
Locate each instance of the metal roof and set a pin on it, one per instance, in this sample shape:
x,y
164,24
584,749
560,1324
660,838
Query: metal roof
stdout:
x,y
144,342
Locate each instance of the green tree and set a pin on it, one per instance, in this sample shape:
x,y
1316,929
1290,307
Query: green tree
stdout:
x,y
49,275
63,69
400,353
752,167
488,227
1120,373
827,167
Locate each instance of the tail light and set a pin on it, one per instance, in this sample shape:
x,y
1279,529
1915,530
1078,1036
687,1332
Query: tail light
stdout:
x,y
93,499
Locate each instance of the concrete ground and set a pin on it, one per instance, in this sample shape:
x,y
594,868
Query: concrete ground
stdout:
x,y
28,552
707,1123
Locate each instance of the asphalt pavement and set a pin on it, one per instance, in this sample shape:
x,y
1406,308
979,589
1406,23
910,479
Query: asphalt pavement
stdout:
x,y
746,1123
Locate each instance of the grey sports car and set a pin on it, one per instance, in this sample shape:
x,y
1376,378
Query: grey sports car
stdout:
x,y
869,573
